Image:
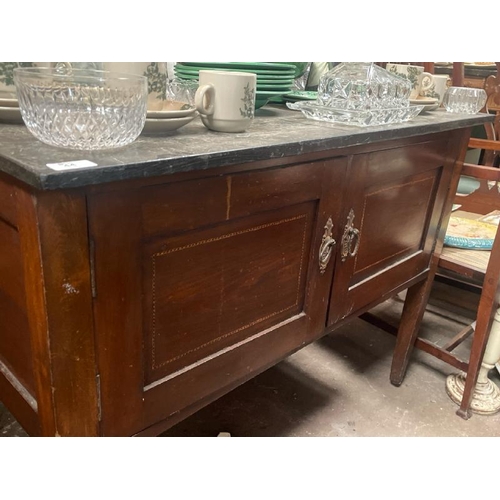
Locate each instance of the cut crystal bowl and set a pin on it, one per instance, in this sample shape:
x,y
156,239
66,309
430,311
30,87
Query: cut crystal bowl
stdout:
x,y
82,108
363,86
464,100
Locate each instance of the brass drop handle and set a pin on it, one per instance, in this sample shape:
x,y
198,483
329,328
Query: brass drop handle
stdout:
x,y
350,238
326,247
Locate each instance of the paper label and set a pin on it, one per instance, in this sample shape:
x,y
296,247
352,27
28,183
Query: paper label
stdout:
x,y
69,165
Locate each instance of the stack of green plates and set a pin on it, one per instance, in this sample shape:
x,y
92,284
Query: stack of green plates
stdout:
x,y
273,79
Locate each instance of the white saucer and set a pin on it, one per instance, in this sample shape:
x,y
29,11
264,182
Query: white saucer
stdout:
x,y
429,103
424,100
9,102
10,115
155,126
430,107
171,109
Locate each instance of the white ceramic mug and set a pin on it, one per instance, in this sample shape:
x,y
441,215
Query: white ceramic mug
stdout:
x,y
439,85
416,76
226,100
156,72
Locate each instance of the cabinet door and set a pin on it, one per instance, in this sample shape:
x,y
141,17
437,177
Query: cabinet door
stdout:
x,y
390,218
202,284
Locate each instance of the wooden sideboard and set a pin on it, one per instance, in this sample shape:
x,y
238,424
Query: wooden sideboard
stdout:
x,y
128,305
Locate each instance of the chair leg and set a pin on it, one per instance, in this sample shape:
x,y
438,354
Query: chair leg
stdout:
x,y
475,392
413,311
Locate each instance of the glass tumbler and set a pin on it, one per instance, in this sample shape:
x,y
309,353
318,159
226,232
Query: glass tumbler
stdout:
x,y
464,100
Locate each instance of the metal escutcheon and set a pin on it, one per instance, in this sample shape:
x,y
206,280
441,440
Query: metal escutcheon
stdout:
x,y
350,238
327,243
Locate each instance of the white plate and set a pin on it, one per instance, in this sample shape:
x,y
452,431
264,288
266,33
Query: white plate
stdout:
x,y
424,100
171,109
429,103
10,115
9,102
430,107
155,126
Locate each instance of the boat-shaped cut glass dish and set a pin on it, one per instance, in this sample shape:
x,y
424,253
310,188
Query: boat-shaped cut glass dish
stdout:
x,y
356,117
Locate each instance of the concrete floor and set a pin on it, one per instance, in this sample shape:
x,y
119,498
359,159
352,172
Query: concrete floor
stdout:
x,y
339,386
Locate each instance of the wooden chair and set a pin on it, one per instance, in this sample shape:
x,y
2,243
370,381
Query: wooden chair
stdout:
x,y
491,151
476,267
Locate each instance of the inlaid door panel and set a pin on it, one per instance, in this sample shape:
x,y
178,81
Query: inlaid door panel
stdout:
x,y
205,283
389,223
207,290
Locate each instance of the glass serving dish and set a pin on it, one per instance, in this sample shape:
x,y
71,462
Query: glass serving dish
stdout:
x,y
464,100
357,117
82,108
360,94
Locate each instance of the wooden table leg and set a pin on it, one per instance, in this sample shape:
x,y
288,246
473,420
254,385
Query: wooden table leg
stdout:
x,y
413,311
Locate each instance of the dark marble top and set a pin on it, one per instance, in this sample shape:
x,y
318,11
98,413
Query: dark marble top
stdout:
x,y
276,132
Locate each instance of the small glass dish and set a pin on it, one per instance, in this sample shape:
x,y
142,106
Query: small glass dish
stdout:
x,y
357,117
464,100
82,108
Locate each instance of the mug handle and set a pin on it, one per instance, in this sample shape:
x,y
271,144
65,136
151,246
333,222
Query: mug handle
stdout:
x,y
199,99
426,82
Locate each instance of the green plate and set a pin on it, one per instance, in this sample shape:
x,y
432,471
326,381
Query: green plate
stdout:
x,y
244,65
270,74
262,94
260,102
301,95
300,68
277,81
264,81
285,88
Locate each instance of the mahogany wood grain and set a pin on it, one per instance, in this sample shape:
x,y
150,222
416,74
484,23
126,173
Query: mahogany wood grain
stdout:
x,y
15,343
392,195
212,288
239,279
418,295
54,240
147,299
118,309
8,202
36,310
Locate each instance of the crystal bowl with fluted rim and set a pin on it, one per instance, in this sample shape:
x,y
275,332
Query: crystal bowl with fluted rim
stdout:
x,y
464,100
82,108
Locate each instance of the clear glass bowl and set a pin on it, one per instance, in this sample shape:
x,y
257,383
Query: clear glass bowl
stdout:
x,y
82,108
362,86
464,100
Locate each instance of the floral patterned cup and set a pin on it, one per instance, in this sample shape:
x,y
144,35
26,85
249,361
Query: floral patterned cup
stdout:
x,y
156,72
226,100
439,85
7,87
416,76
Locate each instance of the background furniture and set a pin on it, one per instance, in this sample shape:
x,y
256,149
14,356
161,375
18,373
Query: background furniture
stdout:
x,y
481,269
